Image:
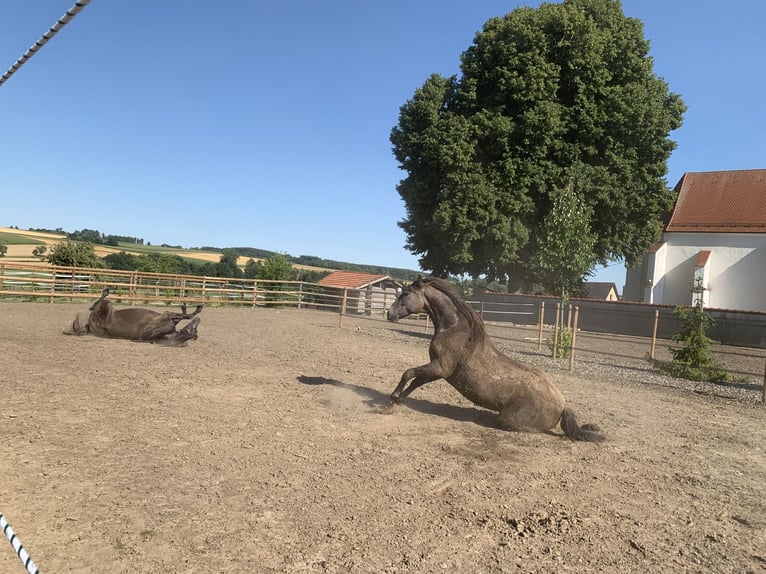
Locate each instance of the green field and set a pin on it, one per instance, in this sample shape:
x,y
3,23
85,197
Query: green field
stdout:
x,y
200,257
18,239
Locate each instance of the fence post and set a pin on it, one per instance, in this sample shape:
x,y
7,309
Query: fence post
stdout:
x,y
763,398
300,294
542,320
574,337
53,285
556,330
132,288
343,307
481,310
255,294
426,326
654,333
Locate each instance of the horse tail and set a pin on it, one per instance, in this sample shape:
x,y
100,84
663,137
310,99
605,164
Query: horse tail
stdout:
x,y
587,432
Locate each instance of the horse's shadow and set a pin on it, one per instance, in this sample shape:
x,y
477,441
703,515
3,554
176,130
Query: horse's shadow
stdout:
x,y
416,334
378,402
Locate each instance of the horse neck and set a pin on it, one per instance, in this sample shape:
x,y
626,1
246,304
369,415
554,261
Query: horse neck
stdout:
x,y
441,309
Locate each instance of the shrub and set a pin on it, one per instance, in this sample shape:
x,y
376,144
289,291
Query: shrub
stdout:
x,y
693,359
562,344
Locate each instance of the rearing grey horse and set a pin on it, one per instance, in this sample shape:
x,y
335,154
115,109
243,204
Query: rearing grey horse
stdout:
x,y
462,353
136,324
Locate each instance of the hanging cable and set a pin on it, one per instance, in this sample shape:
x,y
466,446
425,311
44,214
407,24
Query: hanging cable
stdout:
x,y
71,13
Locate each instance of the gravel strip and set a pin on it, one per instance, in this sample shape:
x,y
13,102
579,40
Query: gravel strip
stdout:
x,y
638,373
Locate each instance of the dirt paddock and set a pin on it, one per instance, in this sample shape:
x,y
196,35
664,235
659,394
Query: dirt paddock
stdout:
x,y
261,447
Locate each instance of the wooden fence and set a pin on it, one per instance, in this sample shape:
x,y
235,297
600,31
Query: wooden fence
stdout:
x,y
36,282
43,283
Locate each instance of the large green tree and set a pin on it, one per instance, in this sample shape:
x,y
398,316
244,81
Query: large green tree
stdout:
x,y
277,267
547,96
72,254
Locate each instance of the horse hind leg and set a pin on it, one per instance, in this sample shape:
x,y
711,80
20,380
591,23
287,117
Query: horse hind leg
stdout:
x,y
178,317
521,418
197,311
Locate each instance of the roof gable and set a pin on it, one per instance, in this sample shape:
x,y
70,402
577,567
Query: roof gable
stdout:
x,y
720,202
600,290
351,279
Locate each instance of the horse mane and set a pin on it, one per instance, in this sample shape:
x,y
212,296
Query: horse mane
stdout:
x,y
478,330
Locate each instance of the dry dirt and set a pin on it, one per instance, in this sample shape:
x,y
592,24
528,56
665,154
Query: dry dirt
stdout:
x,y
261,448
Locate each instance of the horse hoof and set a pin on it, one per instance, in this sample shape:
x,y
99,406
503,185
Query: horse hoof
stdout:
x,y
386,409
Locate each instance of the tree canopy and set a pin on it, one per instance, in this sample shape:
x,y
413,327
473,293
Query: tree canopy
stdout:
x,y
70,253
564,93
276,267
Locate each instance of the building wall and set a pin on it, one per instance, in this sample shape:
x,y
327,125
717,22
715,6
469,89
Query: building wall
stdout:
x,y
370,300
734,275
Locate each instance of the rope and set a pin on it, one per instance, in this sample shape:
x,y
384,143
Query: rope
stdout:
x,y
71,13
17,546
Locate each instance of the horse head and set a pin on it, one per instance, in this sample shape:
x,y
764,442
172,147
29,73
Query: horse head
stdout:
x,y
411,300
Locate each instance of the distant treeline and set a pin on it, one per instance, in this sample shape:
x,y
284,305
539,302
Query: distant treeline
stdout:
x,y
93,236
96,237
315,261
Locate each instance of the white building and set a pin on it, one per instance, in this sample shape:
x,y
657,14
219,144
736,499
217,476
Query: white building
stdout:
x,y
716,234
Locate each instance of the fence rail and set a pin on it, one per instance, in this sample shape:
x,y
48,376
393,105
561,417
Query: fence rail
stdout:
x,y
27,282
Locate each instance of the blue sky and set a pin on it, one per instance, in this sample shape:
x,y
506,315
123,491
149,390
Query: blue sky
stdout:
x,y
266,124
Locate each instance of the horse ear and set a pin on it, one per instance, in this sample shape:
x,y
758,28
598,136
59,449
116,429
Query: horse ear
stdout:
x,y
418,282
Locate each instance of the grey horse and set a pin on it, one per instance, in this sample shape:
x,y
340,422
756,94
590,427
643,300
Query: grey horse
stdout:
x,y
462,353
136,324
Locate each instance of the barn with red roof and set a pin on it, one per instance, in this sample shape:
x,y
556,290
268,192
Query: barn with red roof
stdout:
x,y
365,292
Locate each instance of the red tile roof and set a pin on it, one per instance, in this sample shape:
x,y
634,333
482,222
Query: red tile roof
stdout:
x,y
702,258
351,279
720,201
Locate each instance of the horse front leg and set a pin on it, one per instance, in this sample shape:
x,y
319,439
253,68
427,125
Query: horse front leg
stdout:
x,y
179,338
418,376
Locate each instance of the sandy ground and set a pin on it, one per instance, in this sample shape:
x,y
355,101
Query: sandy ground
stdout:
x,y
260,447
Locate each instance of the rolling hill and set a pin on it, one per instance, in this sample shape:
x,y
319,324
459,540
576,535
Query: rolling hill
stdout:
x,y
21,243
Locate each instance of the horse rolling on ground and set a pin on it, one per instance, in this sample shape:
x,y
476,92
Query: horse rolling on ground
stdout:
x,y
136,324
462,353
